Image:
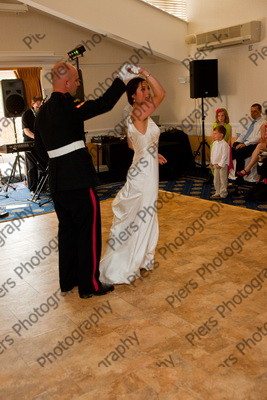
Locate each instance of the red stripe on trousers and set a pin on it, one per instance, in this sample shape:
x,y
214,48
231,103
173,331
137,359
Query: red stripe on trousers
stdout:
x,y
94,238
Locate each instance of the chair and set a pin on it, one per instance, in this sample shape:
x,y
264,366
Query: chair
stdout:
x,y
252,177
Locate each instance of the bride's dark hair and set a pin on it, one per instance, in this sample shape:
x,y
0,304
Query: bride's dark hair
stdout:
x,y
131,88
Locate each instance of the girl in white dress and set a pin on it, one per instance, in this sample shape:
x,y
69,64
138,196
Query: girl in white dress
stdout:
x,y
134,232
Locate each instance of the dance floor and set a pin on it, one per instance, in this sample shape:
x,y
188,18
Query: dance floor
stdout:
x,y
194,328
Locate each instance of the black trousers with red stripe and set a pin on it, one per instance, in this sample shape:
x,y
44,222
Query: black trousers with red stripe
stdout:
x,y
79,236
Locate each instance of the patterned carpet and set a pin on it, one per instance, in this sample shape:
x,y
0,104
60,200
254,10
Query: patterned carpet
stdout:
x,y
18,204
194,187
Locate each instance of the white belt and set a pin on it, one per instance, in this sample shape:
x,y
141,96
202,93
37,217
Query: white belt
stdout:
x,y
61,151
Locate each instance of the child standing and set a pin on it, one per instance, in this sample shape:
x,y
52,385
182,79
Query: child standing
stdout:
x,y
220,155
222,118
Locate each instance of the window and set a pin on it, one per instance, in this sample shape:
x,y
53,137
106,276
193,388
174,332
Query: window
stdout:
x,y
173,7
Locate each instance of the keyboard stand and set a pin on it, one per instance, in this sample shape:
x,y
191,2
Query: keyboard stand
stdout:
x,y
36,195
13,173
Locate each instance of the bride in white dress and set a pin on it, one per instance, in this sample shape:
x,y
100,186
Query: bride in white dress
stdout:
x,y
134,232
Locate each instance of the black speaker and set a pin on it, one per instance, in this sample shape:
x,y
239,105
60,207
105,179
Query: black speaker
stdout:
x,y
13,97
203,78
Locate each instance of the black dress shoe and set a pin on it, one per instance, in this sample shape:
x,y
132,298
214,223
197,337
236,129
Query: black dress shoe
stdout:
x,y
67,289
104,289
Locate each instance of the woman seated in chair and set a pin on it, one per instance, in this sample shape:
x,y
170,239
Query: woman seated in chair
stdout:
x,y
262,146
259,191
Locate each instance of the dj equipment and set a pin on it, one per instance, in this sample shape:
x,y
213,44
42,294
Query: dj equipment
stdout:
x,y
106,139
16,147
174,145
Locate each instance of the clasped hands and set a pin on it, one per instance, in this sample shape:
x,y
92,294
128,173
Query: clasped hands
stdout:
x,y
128,71
216,165
240,145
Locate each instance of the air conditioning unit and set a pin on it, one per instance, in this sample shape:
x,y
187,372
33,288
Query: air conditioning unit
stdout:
x,y
247,33
17,8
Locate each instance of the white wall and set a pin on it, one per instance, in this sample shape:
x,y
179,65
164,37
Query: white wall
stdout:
x,y
20,46
241,82
127,21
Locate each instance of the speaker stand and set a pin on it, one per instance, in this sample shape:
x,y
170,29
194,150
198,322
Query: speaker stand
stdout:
x,y
202,146
13,173
1,185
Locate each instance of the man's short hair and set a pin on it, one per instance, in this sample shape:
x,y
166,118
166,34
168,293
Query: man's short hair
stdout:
x,y
257,105
35,99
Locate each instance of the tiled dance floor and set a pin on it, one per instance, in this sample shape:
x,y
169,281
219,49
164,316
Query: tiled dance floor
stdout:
x,y
195,328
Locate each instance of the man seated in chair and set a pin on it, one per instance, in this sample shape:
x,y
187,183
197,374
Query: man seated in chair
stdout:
x,y
248,140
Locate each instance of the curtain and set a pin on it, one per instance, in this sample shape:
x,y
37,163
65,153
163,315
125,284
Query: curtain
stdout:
x,y
32,81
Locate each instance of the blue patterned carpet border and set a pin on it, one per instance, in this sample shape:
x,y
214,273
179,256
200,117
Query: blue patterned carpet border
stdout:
x,y
194,187
19,206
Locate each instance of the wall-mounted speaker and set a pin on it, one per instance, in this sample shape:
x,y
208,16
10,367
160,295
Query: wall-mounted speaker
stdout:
x,y
203,78
14,102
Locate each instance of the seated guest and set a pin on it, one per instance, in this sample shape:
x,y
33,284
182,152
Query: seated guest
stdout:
x,y
262,146
248,140
32,160
259,191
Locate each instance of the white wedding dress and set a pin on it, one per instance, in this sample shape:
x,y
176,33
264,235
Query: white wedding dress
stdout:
x,y
134,232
